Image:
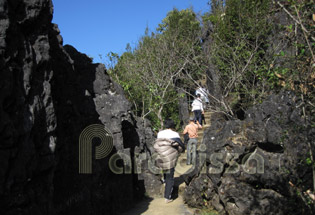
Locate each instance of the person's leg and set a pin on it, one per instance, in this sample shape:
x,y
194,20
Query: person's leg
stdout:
x,y
188,162
169,183
199,117
196,115
193,151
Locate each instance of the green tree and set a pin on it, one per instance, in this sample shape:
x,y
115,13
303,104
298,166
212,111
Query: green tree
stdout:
x,y
255,52
152,72
261,47
239,42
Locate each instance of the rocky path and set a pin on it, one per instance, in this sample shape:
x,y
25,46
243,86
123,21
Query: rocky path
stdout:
x,y
157,206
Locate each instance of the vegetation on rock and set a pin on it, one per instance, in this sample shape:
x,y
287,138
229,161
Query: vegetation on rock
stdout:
x,y
256,47
247,50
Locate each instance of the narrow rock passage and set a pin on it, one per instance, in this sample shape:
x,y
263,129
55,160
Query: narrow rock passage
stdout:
x,y
157,205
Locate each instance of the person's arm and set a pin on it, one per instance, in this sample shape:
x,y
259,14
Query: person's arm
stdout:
x,y
185,130
179,141
201,107
198,124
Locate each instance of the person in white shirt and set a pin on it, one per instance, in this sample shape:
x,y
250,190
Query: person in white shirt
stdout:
x,y
197,108
203,94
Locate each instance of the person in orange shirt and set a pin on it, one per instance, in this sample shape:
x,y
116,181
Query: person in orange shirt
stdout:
x,y
192,130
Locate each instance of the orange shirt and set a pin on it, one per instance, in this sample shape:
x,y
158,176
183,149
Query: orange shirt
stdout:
x,y
192,130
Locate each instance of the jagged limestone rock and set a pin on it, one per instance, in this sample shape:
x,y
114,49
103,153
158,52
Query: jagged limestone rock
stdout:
x,y
257,165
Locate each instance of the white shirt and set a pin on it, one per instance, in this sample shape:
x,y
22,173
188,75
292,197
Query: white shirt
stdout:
x,y
197,105
168,133
201,91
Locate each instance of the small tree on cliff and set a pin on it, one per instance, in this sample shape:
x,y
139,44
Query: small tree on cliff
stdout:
x,y
151,72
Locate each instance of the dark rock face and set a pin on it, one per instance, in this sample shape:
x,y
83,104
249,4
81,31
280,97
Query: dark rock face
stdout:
x,y
183,108
258,165
213,78
27,113
85,96
49,95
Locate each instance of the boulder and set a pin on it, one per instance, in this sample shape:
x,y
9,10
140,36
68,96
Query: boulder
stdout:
x,y
257,165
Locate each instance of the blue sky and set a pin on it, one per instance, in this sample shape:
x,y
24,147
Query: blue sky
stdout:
x,y
96,27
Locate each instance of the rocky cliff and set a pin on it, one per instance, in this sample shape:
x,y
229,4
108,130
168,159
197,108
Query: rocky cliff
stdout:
x,y
258,165
49,95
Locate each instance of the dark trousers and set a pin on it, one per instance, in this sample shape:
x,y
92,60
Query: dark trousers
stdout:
x,y
169,183
198,116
